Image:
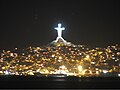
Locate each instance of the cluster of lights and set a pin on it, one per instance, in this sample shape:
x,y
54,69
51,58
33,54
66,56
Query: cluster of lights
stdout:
x,y
76,60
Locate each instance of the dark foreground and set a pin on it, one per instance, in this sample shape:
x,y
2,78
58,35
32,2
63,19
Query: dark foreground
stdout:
x,y
58,82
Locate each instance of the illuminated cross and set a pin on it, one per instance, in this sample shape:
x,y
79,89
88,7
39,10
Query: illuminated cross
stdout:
x,y
59,31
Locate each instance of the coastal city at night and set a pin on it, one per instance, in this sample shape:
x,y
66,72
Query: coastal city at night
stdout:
x,y
60,44
61,59
71,60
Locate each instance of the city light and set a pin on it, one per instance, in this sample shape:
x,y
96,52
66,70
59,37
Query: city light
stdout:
x,y
69,60
6,72
80,68
61,57
105,71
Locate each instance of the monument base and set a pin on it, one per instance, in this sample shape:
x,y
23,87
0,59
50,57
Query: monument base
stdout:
x,y
61,42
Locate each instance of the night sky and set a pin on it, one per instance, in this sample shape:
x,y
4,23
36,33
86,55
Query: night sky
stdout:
x,y
31,22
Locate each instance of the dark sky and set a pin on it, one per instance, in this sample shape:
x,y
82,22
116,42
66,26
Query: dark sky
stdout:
x,y
32,22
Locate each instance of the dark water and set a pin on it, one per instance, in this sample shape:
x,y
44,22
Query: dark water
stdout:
x,y
59,82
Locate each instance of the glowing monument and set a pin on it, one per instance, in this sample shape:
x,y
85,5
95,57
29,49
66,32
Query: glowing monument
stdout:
x,y
59,31
59,40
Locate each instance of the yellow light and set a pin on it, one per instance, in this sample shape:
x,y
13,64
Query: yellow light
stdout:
x,y
60,57
26,67
38,48
87,56
8,51
11,54
58,44
100,53
31,73
45,71
97,72
80,68
3,67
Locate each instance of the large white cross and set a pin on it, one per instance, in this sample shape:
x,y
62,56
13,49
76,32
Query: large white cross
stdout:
x,y
59,30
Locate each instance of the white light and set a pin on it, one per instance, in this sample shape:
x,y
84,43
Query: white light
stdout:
x,y
61,72
104,60
119,75
92,62
59,30
105,71
1,72
6,72
113,57
62,67
53,55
